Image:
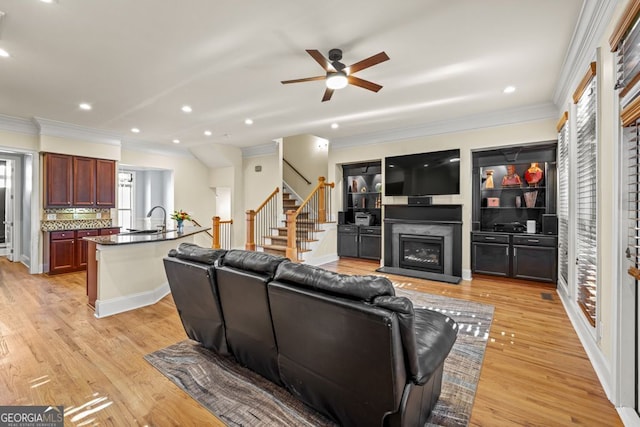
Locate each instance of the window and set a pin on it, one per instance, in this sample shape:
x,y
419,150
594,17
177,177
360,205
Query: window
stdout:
x,y
125,199
563,197
586,208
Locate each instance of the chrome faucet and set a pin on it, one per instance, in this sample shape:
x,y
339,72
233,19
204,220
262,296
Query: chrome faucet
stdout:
x,y
164,216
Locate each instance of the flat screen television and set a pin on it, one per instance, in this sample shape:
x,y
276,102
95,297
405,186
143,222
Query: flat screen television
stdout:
x,y
423,174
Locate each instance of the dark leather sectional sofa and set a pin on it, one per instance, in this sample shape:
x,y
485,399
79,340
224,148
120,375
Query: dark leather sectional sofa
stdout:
x,y
344,345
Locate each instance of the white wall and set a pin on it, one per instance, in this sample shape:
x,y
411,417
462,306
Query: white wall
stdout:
x,y
307,153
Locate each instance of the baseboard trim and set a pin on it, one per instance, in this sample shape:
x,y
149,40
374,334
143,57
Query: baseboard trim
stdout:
x,y
629,416
131,302
466,274
590,347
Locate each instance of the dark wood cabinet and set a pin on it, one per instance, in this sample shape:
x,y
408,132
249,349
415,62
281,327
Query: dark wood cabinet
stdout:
x,y
362,191
59,176
348,240
514,186
80,261
73,181
109,231
105,183
84,181
62,251
369,242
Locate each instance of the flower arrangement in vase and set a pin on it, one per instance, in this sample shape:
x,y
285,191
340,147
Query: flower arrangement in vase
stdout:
x,y
180,216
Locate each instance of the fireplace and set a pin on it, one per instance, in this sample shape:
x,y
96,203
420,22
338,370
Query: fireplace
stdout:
x,y
421,252
423,241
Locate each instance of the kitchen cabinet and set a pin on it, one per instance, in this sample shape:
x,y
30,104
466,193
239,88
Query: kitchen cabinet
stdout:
x,y
80,260
73,181
84,181
105,183
109,231
348,240
62,251
59,176
535,258
490,254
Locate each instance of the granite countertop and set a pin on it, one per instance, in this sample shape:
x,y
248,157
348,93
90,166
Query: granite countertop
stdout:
x,y
137,237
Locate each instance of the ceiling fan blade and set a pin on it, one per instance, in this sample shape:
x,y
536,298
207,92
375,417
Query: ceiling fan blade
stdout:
x,y
327,95
320,59
369,62
363,83
306,79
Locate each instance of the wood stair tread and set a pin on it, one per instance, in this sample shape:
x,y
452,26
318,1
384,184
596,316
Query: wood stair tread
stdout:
x,y
282,248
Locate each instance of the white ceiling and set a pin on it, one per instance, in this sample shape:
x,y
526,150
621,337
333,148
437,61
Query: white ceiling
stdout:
x,y
138,62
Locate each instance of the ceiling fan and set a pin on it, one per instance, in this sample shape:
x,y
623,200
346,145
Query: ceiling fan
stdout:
x,y
338,75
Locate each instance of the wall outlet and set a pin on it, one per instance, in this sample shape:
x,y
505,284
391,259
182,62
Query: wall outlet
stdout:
x,y
51,217
98,215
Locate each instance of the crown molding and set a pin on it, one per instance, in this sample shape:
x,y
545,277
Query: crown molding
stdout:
x,y
260,150
592,22
67,130
459,124
17,124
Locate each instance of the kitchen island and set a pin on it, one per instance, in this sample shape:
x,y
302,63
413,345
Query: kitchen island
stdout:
x,y
125,271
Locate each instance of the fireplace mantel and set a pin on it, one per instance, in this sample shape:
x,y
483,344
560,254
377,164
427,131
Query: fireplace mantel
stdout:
x,y
435,220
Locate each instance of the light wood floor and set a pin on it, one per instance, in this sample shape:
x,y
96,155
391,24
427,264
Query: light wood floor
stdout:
x,y
54,351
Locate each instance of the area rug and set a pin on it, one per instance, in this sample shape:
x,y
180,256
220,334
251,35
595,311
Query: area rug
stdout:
x,y
240,397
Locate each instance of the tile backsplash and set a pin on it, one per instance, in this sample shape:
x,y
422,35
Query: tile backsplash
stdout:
x,y
75,218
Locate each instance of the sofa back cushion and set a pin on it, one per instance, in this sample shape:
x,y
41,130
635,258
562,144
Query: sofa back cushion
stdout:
x,y
360,288
242,285
195,295
193,252
342,357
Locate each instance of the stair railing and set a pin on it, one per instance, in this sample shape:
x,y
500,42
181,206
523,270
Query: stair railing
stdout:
x,y
262,221
221,233
303,223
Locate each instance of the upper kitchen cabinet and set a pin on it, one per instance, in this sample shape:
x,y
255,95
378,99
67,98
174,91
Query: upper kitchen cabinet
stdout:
x,y
59,176
105,183
84,181
73,181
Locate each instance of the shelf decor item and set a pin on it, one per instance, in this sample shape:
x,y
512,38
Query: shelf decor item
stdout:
x,y
363,190
354,186
488,183
533,175
511,179
530,198
493,202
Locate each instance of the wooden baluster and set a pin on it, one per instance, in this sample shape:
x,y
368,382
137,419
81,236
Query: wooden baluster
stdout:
x,y
292,250
216,233
250,245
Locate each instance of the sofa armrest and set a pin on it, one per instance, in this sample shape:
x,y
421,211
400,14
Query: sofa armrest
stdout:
x,y
427,336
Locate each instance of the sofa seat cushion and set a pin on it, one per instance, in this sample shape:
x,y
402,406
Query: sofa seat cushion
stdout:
x,y
427,336
193,252
258,262
361,288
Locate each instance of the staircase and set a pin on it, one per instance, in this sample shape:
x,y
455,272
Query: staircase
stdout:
x,y
296,235
304,230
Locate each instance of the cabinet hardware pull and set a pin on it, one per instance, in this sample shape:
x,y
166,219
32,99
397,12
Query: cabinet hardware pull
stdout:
x,y
506,251
515,252
533,240
489,238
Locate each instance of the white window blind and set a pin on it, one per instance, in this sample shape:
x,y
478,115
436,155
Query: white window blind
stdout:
x,y
633,154
586,220
563,198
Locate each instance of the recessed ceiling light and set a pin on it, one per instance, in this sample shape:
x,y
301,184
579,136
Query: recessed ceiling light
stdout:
x,y
85,106
187,109
207,133
248,122
509,89
4,53
46,1
135,130
176,141
334,126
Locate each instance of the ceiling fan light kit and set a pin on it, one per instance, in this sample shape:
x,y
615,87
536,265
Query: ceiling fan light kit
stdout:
x,y
336,77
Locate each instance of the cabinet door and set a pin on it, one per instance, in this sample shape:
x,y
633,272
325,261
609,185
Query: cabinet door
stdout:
x,y
109,231
105,183
81,247
59,175
490,258
369,246
61,255
535,263
84,181
348,244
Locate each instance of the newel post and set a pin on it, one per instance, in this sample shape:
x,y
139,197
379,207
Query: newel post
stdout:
x,y
216,232
250,245
292,250
322,209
